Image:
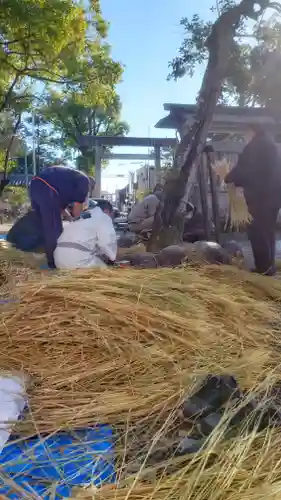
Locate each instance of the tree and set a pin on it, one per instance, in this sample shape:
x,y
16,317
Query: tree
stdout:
x,y
11,143
37,128
72,116
60,44
88,104
253,72
169,220
38,41
16,196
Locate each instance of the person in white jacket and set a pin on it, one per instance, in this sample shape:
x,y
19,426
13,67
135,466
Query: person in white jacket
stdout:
x,y
88,242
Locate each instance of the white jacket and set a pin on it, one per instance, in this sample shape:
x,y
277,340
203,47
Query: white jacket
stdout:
x,y
82,241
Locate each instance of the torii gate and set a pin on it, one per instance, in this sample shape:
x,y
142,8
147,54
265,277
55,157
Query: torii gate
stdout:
x,y
97,143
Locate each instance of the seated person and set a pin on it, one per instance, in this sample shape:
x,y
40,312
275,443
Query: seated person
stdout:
x,y
142,214
88,242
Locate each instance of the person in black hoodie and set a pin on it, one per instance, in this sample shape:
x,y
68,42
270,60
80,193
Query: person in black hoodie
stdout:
x,y
258,172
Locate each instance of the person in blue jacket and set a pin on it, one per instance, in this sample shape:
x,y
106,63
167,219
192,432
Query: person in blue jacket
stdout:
x,y
51,192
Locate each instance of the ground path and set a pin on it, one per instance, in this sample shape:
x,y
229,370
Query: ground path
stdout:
x,y
240,238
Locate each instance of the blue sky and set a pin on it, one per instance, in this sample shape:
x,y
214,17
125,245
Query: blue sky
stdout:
x,y
145,36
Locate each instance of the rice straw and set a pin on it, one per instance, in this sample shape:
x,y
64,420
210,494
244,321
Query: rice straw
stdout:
x,y
238,210
125,347
102,345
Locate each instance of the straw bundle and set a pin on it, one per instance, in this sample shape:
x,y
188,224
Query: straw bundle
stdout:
x,y
118,344
126,347
238,210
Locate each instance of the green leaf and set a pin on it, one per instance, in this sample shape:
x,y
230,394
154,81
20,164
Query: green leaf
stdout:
x,y
254,68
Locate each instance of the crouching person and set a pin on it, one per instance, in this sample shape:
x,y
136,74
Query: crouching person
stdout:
x,y
88,242
142,214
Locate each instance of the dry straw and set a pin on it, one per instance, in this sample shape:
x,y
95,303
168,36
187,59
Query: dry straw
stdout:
x,y
10,255
102,345
238,211
245,468
15,267
126,346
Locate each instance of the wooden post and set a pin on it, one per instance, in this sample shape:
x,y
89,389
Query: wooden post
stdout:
x,y
97,190
214,197
203,186
157,160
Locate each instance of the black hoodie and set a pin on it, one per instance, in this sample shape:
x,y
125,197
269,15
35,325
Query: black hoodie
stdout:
x,y
258,172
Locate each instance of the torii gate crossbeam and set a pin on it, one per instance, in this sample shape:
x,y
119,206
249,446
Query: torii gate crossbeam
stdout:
x,y
97,143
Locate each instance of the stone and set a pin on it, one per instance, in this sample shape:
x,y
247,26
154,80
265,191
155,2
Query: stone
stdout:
x,y
235,252
171,256
142,260
127,239
210,252
212,395
189,445
125,251
208,423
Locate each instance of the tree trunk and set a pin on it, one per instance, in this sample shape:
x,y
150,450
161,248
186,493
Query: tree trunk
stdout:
x,y
4,181
3,184
9,93
169,219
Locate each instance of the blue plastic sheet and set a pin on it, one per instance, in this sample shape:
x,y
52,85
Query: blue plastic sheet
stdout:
x,y
64,460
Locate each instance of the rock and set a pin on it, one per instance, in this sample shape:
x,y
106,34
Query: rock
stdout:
x,y
187,248
195,407
127,239
124,251
212,395
210,252
142,260
234,251
209,423
171,256
189,445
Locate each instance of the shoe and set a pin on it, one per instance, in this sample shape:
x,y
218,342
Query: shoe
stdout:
x,y
270,272
212,395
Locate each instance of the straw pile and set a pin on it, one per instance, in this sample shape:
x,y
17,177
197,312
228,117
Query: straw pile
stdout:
x,y
238,210
18,258
126,347
102,345
16,267
245,468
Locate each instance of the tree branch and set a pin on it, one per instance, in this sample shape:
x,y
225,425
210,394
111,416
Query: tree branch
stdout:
x,y
4,104
11,42
168,223
8,150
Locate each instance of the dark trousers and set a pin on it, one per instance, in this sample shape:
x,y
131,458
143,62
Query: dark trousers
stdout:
x,y
46,203
261,233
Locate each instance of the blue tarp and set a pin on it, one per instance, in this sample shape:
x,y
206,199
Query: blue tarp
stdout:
x,y
66,460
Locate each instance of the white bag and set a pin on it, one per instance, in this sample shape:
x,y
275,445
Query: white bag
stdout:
x,y
13,399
